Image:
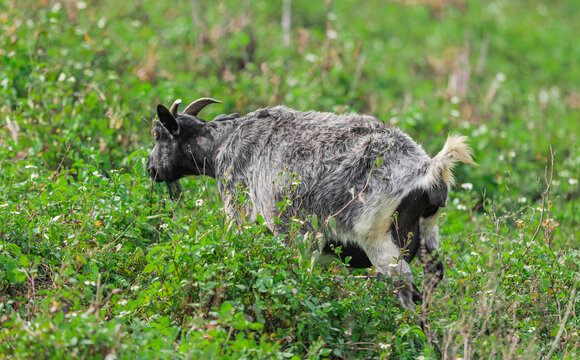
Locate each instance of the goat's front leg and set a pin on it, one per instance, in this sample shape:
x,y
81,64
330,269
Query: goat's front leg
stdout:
x,y
387,260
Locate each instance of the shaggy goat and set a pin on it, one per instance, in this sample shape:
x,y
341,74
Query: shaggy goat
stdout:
x,y
382,189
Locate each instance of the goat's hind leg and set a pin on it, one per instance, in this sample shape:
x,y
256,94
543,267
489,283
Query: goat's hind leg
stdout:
x,y
386,257
433,272
433,269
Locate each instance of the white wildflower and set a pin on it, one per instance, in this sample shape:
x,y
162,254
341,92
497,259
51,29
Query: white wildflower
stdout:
x,y
56,7
310,57
122,302
480,130
384,345
572,181
123,313
455,113
522,199
461,207
199,202
467,186
543,96
331,34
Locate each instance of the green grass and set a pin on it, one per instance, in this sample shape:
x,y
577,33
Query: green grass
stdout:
x,y
95,262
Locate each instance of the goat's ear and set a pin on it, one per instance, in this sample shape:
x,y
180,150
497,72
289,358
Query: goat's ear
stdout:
x,y
167,120
438,195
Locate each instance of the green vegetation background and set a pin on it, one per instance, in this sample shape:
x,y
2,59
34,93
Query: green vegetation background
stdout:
x,y
95,262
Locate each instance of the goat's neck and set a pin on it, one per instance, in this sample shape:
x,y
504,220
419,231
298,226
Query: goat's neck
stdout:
x,y
218,132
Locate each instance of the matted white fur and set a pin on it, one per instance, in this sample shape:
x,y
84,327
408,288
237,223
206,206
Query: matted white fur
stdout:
x,y
374,221
386,257
429,232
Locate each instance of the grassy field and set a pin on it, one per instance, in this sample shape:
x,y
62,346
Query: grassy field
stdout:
x,y
96,262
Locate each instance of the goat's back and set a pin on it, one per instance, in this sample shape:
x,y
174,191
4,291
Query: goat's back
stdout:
x,y
328,157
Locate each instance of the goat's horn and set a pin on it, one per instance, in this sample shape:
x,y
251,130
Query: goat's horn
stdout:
x,y
195,107
173,108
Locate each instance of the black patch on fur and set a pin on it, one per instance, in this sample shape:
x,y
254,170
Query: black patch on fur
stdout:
x,y
223,117
438,194
360,131
359,259
405,226
262,113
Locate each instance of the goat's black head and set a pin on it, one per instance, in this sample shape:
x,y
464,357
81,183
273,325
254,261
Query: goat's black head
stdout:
x,y
182,143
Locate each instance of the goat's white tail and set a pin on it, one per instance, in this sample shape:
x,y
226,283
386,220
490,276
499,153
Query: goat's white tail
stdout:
x,y
455,149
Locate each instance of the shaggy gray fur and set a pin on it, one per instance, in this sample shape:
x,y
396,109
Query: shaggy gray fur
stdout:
x,y
382,188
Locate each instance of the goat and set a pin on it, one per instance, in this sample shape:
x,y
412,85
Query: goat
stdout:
x,y
337,159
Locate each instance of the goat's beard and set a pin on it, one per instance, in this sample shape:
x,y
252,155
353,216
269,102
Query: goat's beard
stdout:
x,y
174,189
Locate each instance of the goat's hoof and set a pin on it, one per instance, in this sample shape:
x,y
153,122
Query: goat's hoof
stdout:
x,y
409,295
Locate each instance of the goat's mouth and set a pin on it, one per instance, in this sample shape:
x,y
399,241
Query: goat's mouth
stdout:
x,y
174,189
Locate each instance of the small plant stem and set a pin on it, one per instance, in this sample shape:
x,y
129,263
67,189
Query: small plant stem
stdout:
x,y
53,175
563,322
545,194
